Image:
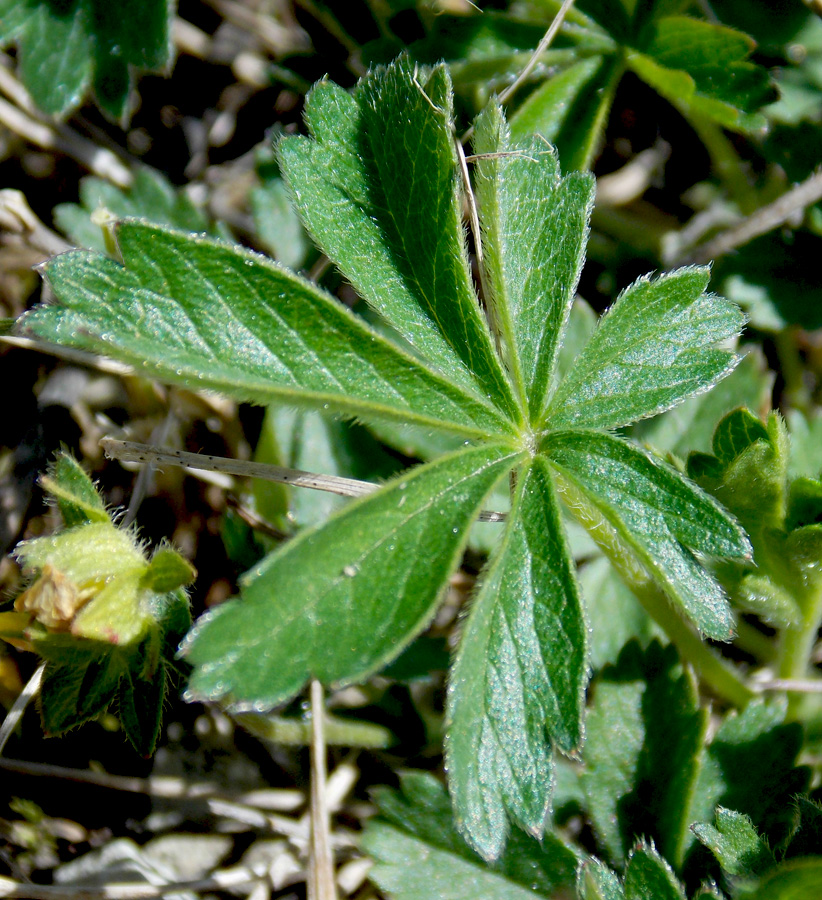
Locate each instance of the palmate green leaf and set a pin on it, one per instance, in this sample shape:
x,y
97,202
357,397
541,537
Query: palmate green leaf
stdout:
x,y
340,600
653,349
534,232
645,738
419,855
65,47
204,314
377,186
521,669
662,518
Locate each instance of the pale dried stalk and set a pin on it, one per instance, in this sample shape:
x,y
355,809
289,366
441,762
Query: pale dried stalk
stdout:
x,y
321,883
542,46
132,451
21,116
763,220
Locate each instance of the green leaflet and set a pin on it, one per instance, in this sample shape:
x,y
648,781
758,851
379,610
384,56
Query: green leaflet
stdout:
x,y
66,47
377,187
534,232
419,855
662,518
208,315
341,600
521,670
652,350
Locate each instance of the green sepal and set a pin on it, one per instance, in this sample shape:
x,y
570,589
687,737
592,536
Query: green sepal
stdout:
x,y
76,691
140,707
806,839
167,571
77,498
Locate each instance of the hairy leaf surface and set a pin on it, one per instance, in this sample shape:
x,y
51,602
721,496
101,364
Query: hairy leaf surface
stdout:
x,y
377,187
342,599
199,312
534,232
521,669
653,349
662,517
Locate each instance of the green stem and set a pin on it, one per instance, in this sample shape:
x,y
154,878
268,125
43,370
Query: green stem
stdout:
x,y
796,393
797,645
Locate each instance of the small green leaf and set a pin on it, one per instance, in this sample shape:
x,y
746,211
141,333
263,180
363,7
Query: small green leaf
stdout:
x,y
653,349
703,68
519,676
751,480
202,313
373,574
735,843
419,854
663,519
735,433
642,783
649,877
534,232
151,196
